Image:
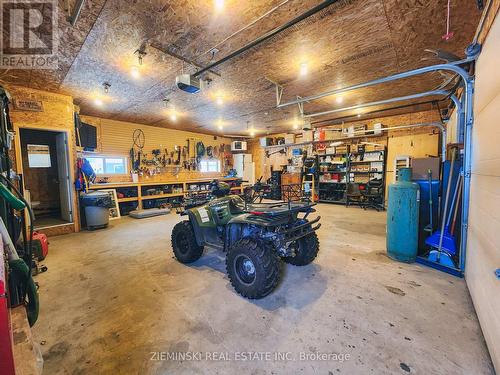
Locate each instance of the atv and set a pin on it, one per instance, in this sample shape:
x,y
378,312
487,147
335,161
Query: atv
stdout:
x,y
255,238
256,192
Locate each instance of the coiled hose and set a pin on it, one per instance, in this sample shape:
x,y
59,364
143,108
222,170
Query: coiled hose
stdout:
x,y
22,268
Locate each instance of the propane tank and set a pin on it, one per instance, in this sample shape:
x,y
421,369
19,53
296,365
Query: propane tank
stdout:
x,y
402,218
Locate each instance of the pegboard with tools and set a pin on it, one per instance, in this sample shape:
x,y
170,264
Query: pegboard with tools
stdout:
x,y
180,158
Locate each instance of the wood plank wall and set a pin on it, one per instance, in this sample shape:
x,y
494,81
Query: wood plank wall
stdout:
x,y
415,142
483,245
57,115
115,139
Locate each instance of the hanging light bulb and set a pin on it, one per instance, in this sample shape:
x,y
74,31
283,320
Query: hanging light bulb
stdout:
x,y
134,71
252,132
106,86
98,102
220,125
141,53
173,115
219,5
304,69
219,100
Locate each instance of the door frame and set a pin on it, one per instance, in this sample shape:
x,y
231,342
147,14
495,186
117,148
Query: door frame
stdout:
x,y
71,167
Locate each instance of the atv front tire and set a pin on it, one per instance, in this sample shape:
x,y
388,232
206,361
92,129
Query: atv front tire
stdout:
x,y
186,250
253,269
306,250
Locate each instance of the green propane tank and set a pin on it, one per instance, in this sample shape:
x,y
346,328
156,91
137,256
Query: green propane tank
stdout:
x,y
402,218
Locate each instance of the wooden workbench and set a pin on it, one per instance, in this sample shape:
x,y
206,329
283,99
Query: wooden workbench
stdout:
x,y
182,187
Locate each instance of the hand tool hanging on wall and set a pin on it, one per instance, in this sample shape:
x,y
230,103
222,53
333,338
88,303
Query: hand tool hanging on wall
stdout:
x,y
138,141
178,160
132,159
210,152
200,151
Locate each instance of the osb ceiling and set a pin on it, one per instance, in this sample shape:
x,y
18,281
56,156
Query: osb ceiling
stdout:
x,y
349,42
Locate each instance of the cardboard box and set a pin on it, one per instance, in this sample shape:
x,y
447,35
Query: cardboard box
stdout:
x,y
344,149
289,139
421,166
307,136
371,148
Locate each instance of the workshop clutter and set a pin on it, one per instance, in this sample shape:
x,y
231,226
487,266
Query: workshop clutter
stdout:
x,y
182,158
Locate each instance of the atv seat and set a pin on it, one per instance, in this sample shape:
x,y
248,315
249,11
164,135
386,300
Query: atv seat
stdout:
x,y
236,206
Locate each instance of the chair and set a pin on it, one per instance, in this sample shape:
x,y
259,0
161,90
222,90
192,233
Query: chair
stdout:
x,y
353,194
373,195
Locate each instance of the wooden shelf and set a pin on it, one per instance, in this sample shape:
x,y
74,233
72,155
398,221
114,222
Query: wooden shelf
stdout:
x,y
141,197
128,199
117,185
159,196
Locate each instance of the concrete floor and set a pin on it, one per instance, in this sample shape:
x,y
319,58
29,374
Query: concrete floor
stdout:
x,y
115,301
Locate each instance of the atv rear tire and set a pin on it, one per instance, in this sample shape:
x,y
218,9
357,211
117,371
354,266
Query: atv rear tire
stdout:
x,y
253,269
306,250
186,250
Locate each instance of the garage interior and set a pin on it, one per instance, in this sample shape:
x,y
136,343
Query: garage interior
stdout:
x,y
265,187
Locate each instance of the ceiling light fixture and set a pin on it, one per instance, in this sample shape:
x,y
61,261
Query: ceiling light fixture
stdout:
x,y
219,100
98,102
219,5
251,130
173,115
220,124
134,71
296,124
339,99
141,53
106,87
304,69
359,115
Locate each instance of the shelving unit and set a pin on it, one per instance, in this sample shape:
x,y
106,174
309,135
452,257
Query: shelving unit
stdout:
x,y
337,170
172,190
332,190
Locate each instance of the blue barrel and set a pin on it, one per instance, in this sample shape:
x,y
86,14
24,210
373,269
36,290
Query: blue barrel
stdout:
x,y
402,218
424,212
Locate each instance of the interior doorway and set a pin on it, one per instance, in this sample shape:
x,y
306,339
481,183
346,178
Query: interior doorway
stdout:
x,y
47,182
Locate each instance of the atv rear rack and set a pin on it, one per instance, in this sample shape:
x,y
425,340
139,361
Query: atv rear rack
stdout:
x,y
294,233
287,208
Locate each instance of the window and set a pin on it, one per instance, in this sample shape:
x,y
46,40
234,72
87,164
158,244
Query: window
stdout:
x,y
212,165
39,156
108,165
